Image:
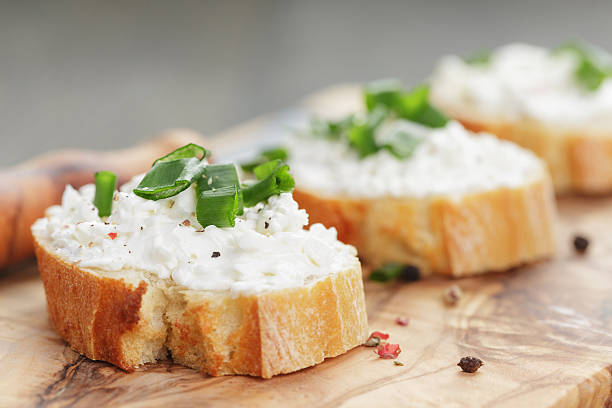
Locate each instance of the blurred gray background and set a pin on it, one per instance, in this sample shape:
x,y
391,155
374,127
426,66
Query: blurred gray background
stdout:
x,y
108,74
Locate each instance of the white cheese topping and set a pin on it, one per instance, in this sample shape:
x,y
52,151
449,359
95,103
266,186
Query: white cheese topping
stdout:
x,y
522,81
447,161
268,249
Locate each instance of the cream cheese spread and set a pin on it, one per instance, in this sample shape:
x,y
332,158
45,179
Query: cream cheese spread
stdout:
x,y
522,81
268,249
447,161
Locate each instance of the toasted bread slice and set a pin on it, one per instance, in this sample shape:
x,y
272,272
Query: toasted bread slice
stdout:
x,y
131,319
539,99
454,236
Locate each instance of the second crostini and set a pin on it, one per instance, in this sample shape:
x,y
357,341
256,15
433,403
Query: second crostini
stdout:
x,y
404,184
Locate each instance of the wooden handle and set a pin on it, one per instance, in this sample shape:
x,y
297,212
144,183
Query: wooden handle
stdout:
x,y
26,190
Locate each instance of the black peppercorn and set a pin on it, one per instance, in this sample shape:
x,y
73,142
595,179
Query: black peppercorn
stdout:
x,y
216,254
580,244
410,273
470,364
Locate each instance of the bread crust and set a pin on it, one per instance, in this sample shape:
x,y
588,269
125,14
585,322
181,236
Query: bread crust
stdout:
x,y
260,335
579,160
94,314
454,236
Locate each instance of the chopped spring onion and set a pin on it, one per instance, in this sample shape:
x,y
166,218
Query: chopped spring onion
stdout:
x,y
401,144
482,57
273,178
594,64
384,99
219,199
185,152
383,92
172,173
218,206
168,178
361,135
331,129
279,153
106,182
412,105
219,195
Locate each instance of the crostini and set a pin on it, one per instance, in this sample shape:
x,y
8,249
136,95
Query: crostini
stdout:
x,y
405,185
557,103
188,262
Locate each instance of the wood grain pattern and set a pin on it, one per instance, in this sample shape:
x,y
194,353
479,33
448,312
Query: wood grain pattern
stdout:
x,y
28,189
544,332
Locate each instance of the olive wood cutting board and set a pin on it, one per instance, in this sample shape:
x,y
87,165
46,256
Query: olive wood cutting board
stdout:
x,y
544,332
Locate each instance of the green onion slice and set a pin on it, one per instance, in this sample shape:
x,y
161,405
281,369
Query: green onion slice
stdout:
x,y
401,143
275,153
216,177
218,206
386,272
185,152
594,64
361,136
481,57
384,99
106,182
219,199
330,129
219,195
413,105
384,92
173,173
168,178
274,178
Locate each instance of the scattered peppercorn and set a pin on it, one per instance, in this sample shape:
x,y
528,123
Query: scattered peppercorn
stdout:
x,y
394,270
410,273
398,363
216,254
402,321
452,295
581,244
375,339
470,364
388,351
372,342
266,224
186,223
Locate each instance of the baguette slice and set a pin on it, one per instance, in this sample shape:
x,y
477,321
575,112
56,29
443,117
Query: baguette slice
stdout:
x,y
447,233
579,160
477,233
532,96
135,320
